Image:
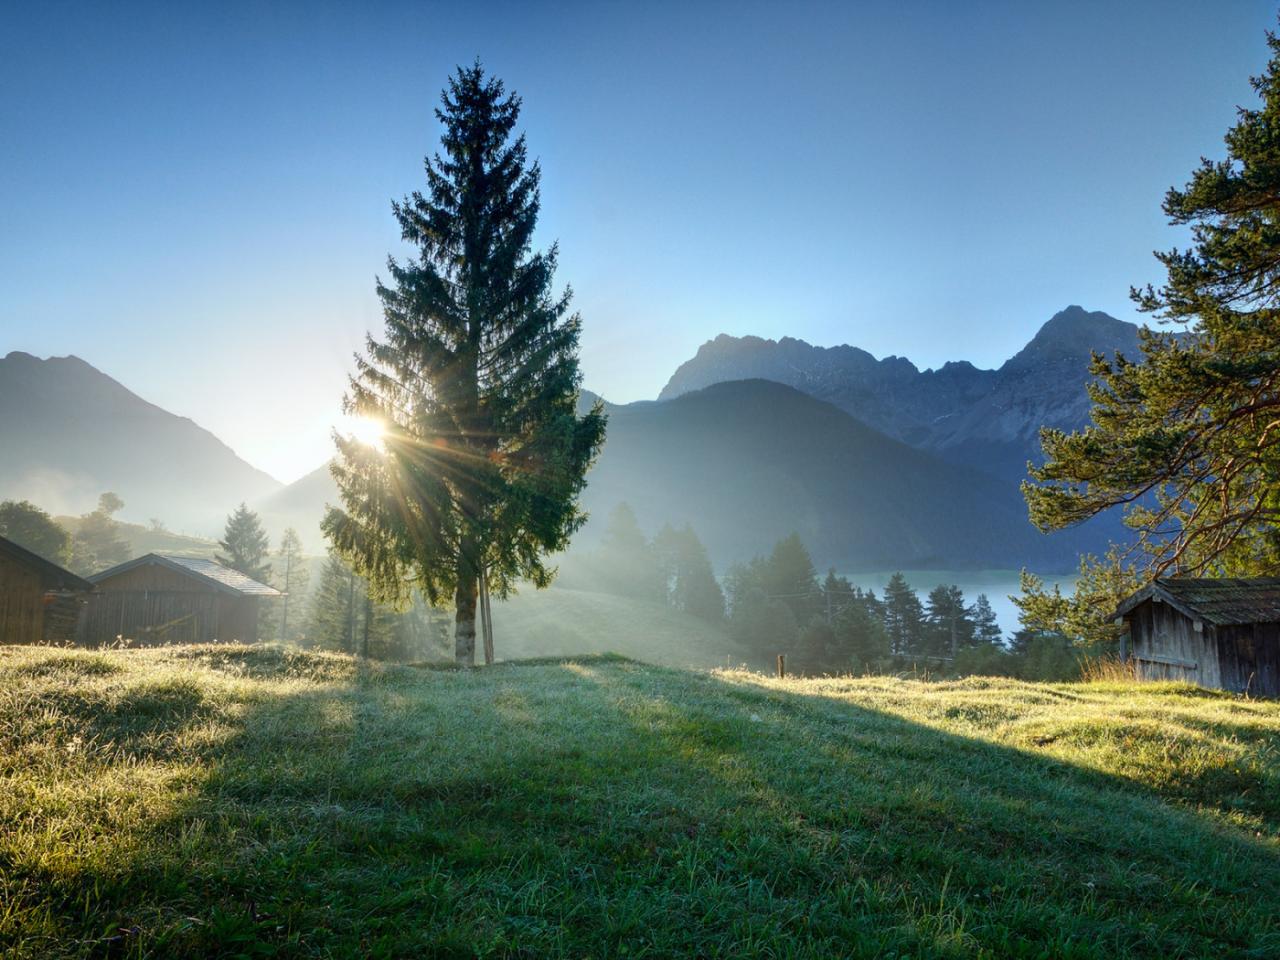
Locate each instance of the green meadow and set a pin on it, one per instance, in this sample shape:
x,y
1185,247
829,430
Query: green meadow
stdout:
x,y
258,802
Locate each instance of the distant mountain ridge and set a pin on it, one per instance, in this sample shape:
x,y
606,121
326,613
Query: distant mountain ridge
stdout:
x,y
989,419
876,463
68,432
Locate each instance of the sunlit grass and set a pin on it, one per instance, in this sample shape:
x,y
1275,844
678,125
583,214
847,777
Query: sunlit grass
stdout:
x,y
235,801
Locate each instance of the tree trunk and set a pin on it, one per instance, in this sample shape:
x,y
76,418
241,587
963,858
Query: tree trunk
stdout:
x,y
464,630
350,643
486,618
368,616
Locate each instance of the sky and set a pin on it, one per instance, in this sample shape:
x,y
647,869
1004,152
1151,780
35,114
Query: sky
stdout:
x,y
196,200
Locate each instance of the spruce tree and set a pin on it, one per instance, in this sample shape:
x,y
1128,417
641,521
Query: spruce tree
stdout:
x,y
334,603
691,583
245,545
949,626
986,629
837,595
903,617
789,576
861,641
476,382
292,577
627,563
1185,439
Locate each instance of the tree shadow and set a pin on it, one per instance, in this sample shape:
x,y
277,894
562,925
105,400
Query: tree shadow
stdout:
x,y
312,806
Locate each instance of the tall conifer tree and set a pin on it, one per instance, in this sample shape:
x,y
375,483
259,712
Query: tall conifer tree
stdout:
x,y
293,576
245,544
903,617
986,628
476,382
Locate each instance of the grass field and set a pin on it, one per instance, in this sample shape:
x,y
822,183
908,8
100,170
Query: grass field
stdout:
x,y
254,802
563,622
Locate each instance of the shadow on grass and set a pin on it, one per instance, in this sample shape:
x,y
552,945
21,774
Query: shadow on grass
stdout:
x,y
597,807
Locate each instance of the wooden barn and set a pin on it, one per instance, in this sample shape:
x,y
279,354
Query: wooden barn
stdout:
x,y
39,601
1215,633
158,599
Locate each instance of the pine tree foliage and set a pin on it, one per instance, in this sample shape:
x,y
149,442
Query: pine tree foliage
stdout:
x,y
335,606
688,577
626,563
903,617
948,622
1083,616
245,545
476,381
1186,438
986,628
292,578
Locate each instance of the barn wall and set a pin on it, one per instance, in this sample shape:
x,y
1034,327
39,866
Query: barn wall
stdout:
x,y
1160,632
1250,657
239,619
156,617
21,603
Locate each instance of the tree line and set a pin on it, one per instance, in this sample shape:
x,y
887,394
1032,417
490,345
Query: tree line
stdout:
x,y
777,603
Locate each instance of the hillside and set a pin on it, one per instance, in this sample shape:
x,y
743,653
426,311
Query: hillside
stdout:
x,y
300,505
750,462
560,622
232,801
149,540
70,432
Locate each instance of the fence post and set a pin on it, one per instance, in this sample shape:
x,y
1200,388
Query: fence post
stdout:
x,y
782,665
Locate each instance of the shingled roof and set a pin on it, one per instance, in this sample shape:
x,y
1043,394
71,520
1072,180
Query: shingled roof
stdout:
x,y
1222,602
221,578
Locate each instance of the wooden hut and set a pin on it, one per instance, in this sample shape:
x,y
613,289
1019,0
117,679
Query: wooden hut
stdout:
x,y
39,601
159,599
1216,633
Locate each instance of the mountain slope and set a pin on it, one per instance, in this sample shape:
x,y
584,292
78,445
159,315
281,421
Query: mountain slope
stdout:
x,y
69,432
300,505
990,419
749,462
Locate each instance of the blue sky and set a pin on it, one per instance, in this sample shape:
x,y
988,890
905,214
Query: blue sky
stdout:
x,y
198,202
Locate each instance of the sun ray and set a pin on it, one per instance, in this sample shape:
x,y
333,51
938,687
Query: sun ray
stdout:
x,y
369,431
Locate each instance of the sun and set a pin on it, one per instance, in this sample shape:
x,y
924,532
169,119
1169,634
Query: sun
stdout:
x,y
367,430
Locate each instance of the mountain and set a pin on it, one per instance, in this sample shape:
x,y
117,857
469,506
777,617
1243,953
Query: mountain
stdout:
x,y
300,505
749,462
70,432
989,419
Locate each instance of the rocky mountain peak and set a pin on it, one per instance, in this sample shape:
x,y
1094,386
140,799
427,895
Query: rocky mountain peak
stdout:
x,y
1072,334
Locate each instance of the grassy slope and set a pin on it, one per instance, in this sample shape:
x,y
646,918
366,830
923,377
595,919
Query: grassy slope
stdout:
x,y
228,801
561,622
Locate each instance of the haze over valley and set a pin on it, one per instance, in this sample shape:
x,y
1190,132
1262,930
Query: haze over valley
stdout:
x,y
877,465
